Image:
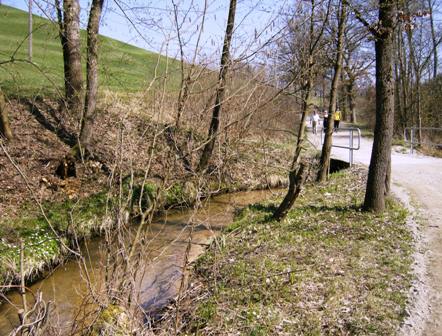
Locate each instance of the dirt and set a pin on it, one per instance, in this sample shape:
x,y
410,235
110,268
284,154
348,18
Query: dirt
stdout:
x,y
44,136
37,151
417,181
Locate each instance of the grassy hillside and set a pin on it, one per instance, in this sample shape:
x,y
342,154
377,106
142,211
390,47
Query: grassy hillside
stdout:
x,y
123,68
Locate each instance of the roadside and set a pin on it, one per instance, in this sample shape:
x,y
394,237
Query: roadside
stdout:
x,y
421,177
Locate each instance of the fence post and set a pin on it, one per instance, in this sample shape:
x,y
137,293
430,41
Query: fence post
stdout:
x,y
350,145
411,140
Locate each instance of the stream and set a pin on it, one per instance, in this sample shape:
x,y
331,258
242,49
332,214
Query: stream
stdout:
x,y
167,237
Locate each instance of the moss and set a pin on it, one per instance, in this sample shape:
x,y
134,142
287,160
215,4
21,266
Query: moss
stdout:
x,y
143,196
112,321
175,195
83,216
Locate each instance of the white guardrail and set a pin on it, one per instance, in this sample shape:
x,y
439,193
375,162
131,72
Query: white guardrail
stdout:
x,y
351,141
410,137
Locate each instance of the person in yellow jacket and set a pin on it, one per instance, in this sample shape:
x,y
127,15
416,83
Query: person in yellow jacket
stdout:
x,y
337,119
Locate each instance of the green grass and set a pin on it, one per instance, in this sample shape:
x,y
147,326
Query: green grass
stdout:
x,y
327,269
123,68
42,244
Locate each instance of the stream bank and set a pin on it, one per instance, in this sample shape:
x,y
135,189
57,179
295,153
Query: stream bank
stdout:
x,y
329,268
167,240
80,207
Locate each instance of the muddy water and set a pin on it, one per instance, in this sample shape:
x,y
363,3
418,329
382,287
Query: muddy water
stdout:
x,y
162,274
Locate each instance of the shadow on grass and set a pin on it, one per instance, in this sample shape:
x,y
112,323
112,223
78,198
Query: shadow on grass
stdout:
x,y
269,208
335,208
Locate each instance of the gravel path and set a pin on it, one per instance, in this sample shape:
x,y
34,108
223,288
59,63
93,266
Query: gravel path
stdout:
x,y
417,180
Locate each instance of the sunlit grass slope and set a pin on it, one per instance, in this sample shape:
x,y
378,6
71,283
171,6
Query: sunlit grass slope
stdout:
x,y
123,68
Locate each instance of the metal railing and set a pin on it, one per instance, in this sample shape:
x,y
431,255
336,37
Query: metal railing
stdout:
x,y
413,140
351,137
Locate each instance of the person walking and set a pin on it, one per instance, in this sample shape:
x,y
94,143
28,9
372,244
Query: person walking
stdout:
x,y
337,119
325,120
315,121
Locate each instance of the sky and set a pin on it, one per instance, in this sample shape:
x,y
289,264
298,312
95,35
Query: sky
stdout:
x,y
151,24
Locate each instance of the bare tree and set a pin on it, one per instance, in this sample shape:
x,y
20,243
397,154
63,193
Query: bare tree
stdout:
x,y
431,5
298,171
69,25
92,75
220,90
378,176
357,60
326,147
30,31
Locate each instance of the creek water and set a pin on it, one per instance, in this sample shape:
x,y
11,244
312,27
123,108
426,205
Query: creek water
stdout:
x,y
167,242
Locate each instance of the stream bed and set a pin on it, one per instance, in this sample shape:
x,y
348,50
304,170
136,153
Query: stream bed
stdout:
x,y
167,240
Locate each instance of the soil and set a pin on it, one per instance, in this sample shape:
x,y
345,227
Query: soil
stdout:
x,y
417,180
44,136
37,151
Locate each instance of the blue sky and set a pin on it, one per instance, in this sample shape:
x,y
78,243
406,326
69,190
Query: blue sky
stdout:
x,y
150,24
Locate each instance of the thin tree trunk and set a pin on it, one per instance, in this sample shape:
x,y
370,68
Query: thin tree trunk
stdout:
x,y
399,127
342,97
5,128
224,67
64,45
403,80
351,100
298,172
417,73
419,106
433,38
381,153
92,74
72,33
30,31
296,181
326,147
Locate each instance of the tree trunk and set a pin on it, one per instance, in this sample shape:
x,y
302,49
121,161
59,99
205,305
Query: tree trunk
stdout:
x,y
403,80
296,181
326,147
92,74
351,100
419,106
298,171
417,84
30,31
5,128
64,45
72,34
342,97
224,67
381,152
433,38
